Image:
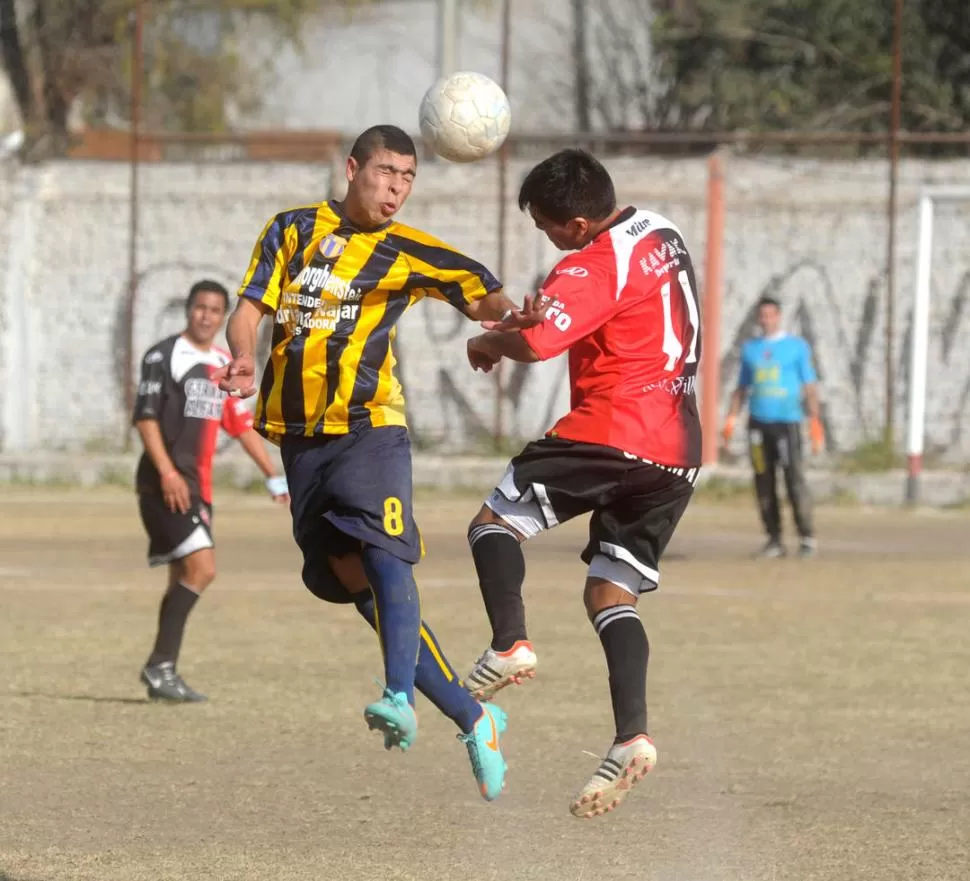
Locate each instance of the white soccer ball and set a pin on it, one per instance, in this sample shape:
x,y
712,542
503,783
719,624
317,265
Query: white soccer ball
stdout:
x,y
465,116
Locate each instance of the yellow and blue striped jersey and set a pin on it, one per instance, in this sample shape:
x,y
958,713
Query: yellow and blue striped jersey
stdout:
x,y
337,294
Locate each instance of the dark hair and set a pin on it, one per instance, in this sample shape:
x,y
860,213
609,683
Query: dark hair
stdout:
x,y
209,287
769,301
569,184
382,137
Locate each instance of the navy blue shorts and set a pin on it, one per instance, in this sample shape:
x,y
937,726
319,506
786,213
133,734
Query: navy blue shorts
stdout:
x,y
347,490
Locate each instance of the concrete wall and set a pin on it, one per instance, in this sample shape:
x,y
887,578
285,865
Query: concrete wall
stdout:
x,y
812,233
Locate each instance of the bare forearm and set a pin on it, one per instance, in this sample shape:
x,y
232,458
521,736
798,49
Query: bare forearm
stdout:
x,y
252,443
489,308
509,345
242,328
151,438
811,401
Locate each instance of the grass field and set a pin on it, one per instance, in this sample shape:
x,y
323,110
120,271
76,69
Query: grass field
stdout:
x,y
812,718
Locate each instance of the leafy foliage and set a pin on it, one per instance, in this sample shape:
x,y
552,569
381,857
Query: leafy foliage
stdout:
x,y
68,57
764,65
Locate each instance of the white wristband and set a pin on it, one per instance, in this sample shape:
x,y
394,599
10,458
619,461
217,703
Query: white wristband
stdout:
x,y
277,485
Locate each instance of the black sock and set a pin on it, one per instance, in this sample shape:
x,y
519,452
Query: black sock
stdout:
x,y
627,652
501,571
172,615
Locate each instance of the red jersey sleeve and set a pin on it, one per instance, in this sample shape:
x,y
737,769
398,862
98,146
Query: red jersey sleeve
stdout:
x,y
236,418
582,300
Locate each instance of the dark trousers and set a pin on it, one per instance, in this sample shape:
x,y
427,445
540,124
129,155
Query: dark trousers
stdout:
x,y
773,444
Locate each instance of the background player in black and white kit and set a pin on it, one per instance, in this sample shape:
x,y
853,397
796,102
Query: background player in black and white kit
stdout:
x,y
178,413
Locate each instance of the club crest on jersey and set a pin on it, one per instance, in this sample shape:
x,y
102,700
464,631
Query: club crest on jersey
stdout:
x,y
332,246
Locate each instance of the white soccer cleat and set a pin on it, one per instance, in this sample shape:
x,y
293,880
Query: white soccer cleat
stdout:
x,y
494,670
624,765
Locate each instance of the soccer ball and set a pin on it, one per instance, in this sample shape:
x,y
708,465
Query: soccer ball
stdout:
x,y
465,116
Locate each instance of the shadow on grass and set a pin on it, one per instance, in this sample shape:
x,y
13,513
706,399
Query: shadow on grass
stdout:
x,y
86,698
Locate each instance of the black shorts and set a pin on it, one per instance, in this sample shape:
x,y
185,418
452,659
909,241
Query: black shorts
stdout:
x,y
171,534
347,490
635,504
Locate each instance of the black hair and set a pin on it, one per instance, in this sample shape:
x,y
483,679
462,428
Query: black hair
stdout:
x,y
570,183
769,301
209,287
382,137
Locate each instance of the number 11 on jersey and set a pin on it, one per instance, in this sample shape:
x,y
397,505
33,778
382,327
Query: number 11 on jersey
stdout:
x,y
673,348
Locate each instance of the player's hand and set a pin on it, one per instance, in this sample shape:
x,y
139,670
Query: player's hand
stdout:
x,y
175,492
479,355
278,489
238,377
817,433
533,312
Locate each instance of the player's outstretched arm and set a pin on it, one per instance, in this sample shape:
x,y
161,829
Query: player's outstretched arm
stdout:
x,y
487,349
533,312
252,443
238,377
491,307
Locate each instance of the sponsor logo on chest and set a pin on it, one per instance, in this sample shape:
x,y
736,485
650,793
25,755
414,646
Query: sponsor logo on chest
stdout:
x,y
203,399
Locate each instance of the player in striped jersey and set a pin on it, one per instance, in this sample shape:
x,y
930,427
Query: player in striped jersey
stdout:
x,y
336,277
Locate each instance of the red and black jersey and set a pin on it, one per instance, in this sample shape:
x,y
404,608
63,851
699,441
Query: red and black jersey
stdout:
x,y
625,307
177,391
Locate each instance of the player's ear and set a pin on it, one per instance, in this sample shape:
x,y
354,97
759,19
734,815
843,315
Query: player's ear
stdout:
x,y
353,166
578,228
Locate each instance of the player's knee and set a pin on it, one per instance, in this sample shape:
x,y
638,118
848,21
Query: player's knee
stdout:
x,y
320,579
610,583
487,517
349,570
198,570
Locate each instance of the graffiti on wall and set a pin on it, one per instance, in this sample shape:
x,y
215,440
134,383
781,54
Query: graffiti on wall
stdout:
x,y
451,408
454,408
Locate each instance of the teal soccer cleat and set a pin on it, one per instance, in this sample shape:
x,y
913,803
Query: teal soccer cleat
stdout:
x,y
395,718
487,761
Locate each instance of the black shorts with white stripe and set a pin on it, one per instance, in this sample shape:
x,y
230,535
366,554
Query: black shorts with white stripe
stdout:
x,y
635,504
173,535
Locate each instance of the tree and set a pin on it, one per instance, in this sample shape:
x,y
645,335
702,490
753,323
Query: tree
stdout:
x,y
66,57
771,65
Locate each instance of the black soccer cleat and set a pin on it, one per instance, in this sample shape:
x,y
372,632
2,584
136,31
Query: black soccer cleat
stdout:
x,y
164,684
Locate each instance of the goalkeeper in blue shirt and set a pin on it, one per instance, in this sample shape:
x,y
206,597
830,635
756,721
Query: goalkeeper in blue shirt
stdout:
x,y
779,382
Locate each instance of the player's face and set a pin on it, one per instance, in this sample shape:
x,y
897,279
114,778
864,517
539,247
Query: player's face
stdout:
x,y
379,188
568,236
769,319
205,317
